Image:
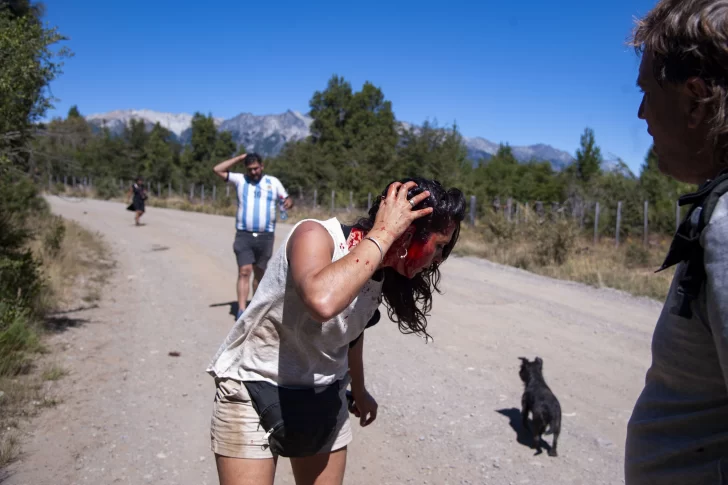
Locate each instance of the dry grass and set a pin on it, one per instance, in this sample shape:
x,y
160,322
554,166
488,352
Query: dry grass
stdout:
x,y
73,271
630,268
9,447
54,373
224,207
22,398
74,265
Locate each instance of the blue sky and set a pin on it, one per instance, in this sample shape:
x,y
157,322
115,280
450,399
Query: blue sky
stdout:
x,y
518,72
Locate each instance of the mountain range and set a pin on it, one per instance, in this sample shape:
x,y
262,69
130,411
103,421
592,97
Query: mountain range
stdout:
x,y
267,134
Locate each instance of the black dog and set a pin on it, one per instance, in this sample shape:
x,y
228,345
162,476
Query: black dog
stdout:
x,y
540,402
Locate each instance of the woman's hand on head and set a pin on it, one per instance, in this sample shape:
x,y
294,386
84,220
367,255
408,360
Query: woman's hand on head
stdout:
x,y
396,213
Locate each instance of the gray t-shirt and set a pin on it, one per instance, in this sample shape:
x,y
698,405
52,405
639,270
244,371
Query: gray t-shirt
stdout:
x,y
277,341
678,432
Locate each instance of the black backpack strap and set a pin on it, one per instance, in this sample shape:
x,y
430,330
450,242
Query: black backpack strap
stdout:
x,y
686,246
372,321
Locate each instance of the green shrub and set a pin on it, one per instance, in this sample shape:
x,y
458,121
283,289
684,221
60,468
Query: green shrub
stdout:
x,y
554,242
107,188
637,255
223,201
19,195
20,280
54,234
17,339
499,229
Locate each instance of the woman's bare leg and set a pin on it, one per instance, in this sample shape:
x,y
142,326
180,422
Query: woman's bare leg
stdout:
x,y
323,469
243,471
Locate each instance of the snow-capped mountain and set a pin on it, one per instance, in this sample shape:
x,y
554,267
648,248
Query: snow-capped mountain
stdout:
x,y
264,134
479,149
267,134
115,121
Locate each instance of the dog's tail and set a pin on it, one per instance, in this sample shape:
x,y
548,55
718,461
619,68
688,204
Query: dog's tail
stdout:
x,y
554,425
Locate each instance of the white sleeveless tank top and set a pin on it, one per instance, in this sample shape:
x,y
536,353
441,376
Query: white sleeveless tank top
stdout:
x,y
277,341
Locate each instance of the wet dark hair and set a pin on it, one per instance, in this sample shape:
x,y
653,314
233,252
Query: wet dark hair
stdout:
x,y
409,301
252,158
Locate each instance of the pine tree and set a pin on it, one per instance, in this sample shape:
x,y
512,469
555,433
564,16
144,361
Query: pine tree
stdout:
x,y
199,156
224,146
136,136
588,157
159,155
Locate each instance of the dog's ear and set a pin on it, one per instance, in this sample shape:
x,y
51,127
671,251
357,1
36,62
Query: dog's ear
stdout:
x,y
539,362
524,360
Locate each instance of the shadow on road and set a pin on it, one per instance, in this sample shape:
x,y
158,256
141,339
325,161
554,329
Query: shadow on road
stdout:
x,y
61,323
233,307
523,436
74,310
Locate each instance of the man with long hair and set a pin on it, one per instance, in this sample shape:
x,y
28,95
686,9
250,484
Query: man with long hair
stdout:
x,y
678,431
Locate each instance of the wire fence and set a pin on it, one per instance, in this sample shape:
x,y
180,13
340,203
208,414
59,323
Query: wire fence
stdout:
x,y
614,219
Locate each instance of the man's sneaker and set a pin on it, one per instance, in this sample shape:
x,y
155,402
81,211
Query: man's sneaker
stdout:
x,y
240,312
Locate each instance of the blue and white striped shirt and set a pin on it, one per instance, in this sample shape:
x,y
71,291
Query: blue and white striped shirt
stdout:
x,y
257,202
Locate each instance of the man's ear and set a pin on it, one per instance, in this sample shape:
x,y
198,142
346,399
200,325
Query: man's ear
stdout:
x,y
696,91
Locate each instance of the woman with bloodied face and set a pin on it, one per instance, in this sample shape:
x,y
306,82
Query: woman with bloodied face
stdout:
x,y
282,372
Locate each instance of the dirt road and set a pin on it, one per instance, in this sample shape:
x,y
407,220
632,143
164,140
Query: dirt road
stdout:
x,y
131,414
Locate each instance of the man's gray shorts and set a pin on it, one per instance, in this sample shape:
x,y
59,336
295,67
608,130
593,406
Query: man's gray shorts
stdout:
x,y
253,248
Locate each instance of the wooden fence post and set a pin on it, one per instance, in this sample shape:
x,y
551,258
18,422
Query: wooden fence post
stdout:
x,y
596,222
472,210
619,222
351,200
202,194
192,192
333,202
369,202
509,206
214,192
644,231
159,190
315,197
169,189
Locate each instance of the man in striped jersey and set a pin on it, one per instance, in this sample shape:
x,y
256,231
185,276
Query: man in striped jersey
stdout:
x,y
255,220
